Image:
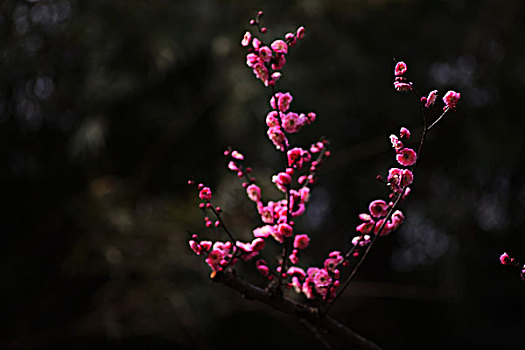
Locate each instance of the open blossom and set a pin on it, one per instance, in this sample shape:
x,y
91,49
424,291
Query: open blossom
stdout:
x,y
281,180
321,279
261,72
285,230
400,69
367,225
252,59
451,99
301,241
335,258
291,122
278,138
406,157
383,228
247,39
279,46
205,194
283,101
305,194
272,119
265,53
400,177
263,232
266,213
398,218
295,157
254,192
378,208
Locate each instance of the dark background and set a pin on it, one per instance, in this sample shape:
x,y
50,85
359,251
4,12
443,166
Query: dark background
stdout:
x,y
107,108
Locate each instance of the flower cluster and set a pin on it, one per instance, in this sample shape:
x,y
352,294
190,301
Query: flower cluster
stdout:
x,y
294,180
281,121
378,221
220,255
268,60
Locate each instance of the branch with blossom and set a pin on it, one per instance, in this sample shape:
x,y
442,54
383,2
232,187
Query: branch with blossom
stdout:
x,y
321,286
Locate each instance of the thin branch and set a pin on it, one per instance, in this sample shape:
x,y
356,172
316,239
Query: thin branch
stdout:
x,y
368,248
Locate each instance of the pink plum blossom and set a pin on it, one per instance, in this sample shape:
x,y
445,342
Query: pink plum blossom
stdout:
x,y
254,192
256,43
400,69
261,72
285,230
205,194
272,119
279,46
278,138
267,214
406,157
301,241
265,53
252,59
281,180
378,208
263,232
247,39
335,259
451,99
283,101
290,122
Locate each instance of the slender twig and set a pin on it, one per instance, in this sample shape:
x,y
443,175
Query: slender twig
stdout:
x,y
438,119
223,225
374,239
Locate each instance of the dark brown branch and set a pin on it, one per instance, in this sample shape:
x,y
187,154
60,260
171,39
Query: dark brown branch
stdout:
x,y
318,333
311,315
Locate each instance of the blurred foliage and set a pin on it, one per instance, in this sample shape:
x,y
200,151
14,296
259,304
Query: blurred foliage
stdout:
x,y
107,107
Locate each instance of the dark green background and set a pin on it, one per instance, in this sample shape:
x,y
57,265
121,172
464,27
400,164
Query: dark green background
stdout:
x,y
108,107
